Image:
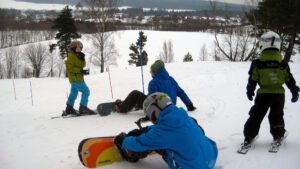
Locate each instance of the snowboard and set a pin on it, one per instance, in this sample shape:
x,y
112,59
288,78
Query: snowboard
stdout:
x,y
98,151
105,109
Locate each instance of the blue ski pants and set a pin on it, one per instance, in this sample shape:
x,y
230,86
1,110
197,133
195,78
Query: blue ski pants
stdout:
x,y
79,87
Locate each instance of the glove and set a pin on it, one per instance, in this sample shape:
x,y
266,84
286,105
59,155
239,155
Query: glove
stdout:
x,y
191,107
137,132
82,56
119,139
295,94
128,155
85,72
163,154
295,97
250,95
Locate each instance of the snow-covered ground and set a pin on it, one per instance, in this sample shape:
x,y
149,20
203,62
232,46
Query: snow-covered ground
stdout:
x,y
30,139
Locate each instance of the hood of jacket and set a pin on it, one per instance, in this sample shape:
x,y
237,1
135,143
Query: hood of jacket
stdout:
x,y
161,74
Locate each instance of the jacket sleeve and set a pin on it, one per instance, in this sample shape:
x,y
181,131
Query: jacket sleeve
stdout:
x,y
152,87
290,81
181,94
147,141
253,77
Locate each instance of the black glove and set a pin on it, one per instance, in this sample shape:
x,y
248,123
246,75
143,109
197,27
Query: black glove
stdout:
x,y
191,107
295,94
85,72
128,155
250,95
163,154
82,56
295,97
137,132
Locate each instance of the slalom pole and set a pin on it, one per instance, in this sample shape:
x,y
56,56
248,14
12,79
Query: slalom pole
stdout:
x,y
141,60
111,91
14,90
31,93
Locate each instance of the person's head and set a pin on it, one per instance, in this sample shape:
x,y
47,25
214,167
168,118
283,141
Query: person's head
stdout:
x,y
154,104
76,46
269,40
156,66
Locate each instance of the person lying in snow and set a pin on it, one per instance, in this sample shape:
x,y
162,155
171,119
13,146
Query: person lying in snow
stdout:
x,y
161,82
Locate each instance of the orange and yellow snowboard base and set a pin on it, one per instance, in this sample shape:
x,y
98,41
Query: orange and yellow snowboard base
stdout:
x,y
98,151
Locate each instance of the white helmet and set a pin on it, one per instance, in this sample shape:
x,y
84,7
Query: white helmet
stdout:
x,y
269,39
75,44
154,104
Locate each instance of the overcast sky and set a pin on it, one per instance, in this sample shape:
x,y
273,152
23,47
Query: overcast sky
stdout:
x,y
28,5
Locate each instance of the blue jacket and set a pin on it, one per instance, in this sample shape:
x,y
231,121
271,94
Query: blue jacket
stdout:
x,y
179,135
163,82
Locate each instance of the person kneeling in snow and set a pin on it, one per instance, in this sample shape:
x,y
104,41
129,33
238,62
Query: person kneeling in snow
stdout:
x,y
161,82
174,135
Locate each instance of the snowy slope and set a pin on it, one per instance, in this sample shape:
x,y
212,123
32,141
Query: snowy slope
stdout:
x,y
30,139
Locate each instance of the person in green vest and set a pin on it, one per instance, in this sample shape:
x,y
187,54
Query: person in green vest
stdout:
x,y
75,63
270,72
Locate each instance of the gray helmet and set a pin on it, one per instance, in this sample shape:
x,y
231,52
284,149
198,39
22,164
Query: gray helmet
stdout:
x,y
154,104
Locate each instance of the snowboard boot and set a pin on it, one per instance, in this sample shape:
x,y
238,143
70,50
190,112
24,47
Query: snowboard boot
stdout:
x,y
118,103
70,111
85,110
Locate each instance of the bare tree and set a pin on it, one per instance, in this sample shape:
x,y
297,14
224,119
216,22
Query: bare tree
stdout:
x,y
167,54
101,11
110,54
2,71
37,55
203,53
237,45
12,62
170,51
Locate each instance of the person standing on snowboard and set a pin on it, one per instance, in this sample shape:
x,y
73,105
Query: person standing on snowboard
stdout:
x,y
174,135
75,63
161,82
270,72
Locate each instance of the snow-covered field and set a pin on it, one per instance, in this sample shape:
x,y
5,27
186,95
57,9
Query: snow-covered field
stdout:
x,y
30,139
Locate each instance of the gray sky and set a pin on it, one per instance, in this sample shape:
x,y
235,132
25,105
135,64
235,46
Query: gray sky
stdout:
x,y
234,1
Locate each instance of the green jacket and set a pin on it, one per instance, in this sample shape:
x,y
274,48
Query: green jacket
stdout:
x,y
74,65
270,72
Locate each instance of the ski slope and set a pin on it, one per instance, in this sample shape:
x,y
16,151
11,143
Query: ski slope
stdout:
x,y
30,139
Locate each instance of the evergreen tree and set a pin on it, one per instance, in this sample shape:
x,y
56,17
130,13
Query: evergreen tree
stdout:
x,y
283,18
65,24
137,50
188,57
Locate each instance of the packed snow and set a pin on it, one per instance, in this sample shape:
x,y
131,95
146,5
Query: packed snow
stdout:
x,y
30,139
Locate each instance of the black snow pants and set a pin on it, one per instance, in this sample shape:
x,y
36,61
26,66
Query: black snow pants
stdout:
x,y
262,103
134,99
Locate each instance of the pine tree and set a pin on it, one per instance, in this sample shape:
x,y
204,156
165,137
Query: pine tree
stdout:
x,y
65,24
137,50
188,57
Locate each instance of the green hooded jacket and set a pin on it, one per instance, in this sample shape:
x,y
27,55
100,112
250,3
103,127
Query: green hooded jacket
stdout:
x,y
74,65
270,72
